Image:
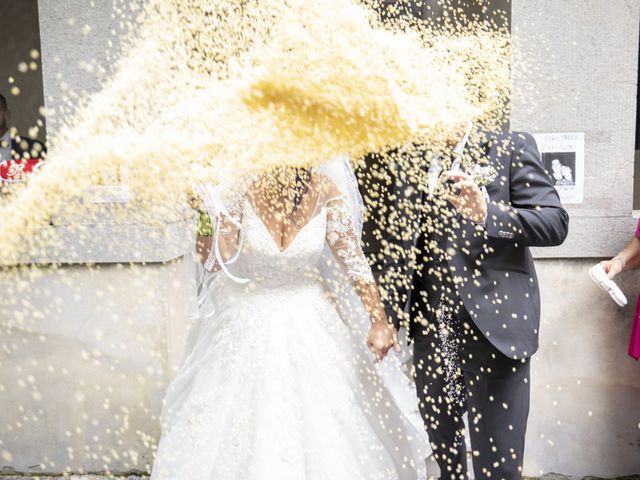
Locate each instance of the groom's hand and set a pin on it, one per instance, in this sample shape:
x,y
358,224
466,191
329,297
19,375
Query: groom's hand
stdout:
x,y
466,196
381,338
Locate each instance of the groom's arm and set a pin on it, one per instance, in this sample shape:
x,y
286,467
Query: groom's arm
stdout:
x,y
534,216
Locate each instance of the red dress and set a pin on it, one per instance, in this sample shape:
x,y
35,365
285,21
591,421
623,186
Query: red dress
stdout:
x,y
634,343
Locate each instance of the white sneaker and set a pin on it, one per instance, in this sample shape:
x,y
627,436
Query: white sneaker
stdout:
x,y
600,277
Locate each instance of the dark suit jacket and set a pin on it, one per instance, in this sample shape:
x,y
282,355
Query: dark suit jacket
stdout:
x,y
26,148
23,148
491,266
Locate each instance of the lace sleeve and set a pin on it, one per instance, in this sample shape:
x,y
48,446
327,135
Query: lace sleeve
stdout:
x,y
345,242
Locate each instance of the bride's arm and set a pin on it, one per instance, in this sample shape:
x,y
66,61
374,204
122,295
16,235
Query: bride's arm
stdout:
x,y
228,243
227,236
345,245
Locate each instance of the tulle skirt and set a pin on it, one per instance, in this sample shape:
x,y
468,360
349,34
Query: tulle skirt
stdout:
x,y
276,386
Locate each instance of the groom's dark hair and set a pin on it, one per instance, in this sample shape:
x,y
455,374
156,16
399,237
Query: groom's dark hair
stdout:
x,y
3,103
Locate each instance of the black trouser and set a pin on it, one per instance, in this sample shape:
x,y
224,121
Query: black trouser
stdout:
x,y
458,369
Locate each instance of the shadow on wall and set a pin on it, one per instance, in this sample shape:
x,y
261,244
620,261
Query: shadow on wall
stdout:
x,y
585,413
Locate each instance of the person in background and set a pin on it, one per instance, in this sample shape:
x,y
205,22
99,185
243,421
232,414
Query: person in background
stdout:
x,y
13,146
19,156
627,259
561,174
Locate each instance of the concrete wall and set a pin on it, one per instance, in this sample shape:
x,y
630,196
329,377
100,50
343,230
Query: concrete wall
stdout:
x,y
80,50
86,357
580,75
585,409
87,349
576,71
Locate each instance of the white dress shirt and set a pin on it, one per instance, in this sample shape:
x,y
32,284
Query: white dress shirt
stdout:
x,y
435,167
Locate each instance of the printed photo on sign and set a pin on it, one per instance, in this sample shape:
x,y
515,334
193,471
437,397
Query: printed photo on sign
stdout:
x,y
561,166
562,155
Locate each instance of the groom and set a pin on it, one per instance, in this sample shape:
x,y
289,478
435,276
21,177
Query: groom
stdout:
x,y
465,288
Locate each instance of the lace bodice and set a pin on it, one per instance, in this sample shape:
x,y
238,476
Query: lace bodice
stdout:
x,y
262,261
265,245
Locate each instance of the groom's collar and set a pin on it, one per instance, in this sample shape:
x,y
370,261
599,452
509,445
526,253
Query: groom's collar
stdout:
x,y
458,150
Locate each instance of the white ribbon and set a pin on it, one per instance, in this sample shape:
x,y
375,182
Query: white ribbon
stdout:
x,y
216,209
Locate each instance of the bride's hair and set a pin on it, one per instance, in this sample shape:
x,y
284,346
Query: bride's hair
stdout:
x,y
300,185
288,183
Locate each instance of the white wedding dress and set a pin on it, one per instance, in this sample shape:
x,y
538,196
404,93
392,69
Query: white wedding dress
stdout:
x,y
274,384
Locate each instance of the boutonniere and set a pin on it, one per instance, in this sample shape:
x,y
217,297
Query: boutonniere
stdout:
x,y
482,174
205,226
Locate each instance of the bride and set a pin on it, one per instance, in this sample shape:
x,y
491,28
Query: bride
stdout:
x,y
276,382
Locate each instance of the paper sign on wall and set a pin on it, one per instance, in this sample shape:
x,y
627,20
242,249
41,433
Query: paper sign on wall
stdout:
x,y
563,158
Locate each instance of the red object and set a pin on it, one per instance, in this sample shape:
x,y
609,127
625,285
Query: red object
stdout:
x,y
634,342
18,170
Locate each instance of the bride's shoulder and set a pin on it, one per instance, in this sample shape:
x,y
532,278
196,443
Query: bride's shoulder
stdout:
x,y
327,188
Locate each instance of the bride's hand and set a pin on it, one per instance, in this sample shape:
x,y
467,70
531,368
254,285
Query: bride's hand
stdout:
x,y
381,338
